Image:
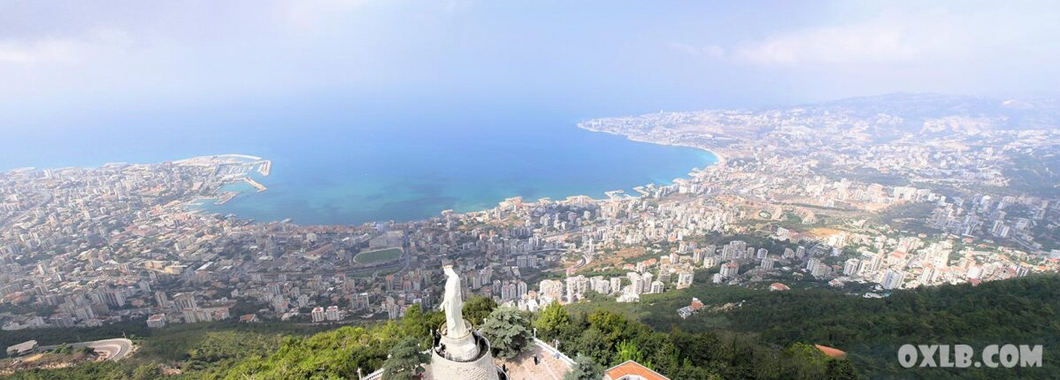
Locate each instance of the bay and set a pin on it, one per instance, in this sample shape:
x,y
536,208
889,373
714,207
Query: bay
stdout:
x,y
394,175
351,165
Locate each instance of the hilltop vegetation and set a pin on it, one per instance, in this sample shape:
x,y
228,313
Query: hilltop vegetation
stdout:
x,y
1018,311
769,336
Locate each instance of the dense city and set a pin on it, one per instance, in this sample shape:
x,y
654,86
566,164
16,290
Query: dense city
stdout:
x,y
814,196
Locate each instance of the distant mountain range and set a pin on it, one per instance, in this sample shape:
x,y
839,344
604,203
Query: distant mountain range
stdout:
x,y
916,108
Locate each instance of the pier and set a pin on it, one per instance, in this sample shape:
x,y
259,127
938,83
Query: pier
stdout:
x,y
254,183
265,167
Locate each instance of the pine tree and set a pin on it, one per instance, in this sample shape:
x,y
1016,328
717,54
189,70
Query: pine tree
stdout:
x,y
406,361
508,331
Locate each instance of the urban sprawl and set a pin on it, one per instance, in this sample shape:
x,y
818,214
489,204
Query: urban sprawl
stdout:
x,y
831,195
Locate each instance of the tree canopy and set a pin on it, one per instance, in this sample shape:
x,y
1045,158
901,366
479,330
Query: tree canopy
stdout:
x,y
508,331
551,320
477,308
406,360
584,369
770,337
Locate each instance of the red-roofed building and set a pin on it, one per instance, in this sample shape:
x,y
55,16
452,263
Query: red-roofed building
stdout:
x,y
896,257
156,321
696,304
631,370
831,352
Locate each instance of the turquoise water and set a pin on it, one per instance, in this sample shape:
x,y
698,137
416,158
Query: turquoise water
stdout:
x,y
362,164
384,177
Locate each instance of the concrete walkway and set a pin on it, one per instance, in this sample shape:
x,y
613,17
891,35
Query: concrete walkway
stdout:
x,y
522,367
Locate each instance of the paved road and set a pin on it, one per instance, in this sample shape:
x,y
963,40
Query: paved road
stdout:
x,y
110,349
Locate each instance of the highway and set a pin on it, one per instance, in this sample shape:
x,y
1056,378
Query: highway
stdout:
x,y
109,349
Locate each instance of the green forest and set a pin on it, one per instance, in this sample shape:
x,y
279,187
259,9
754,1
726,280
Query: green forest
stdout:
x,y
769,335
1018,311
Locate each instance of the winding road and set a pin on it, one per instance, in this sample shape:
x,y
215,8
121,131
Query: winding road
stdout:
x,y
109,349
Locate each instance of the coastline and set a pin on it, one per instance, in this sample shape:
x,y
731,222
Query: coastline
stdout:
x,y
228,157
608,195
485,207
721,159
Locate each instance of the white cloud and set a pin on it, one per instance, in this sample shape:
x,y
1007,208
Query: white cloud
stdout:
x,y
883,40
709,51
842,44
311,13
47,50
317,15
53,49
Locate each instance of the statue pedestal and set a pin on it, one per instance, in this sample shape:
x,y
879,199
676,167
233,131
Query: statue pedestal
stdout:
x,y
461,349
463,354
478,367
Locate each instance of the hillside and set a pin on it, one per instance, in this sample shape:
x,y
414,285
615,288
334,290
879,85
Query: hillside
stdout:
x,y
760,335
1017,311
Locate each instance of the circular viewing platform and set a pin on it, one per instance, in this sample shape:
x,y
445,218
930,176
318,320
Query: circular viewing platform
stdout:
x,y
466,357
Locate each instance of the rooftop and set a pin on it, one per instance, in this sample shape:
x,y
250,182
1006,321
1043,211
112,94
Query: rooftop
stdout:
x,y
831,352
631,370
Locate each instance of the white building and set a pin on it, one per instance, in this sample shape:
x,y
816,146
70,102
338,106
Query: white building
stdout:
x,y
730,269
684,279
657,287
850,267
893,279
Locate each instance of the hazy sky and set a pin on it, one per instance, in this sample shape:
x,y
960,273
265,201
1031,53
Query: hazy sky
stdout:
x,y
65,60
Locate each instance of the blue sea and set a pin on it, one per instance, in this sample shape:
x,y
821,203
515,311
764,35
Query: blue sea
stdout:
x,y
356,164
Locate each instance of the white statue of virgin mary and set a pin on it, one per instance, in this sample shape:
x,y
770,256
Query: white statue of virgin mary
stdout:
x,y
460,353
453,305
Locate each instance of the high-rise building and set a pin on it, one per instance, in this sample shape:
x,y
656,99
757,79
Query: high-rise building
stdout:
x,y
812,263
332,313
684,279
730,270
893,279
318,314
189,315
161,299
927,277
851,266
636,283
185,301
549,291
767,263
115,298
599,285
156,321
359,301
821,270
657,287
521,289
